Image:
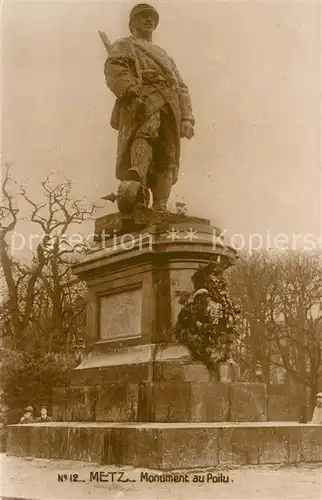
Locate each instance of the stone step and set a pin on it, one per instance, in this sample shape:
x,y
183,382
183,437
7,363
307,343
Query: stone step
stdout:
x,y
162,402
169,446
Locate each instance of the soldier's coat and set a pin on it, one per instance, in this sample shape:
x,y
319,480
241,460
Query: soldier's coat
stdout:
x,y
133,61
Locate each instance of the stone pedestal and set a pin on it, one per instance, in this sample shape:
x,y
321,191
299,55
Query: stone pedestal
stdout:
x,y
135,371
135,282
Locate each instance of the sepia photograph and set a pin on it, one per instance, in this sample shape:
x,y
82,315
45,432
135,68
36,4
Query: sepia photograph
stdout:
x,y
161,250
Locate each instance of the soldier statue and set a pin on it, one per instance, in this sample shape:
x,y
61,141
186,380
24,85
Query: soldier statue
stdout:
x,y
152,113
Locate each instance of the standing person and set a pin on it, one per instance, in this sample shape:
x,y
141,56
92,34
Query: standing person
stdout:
x,y
28,417
43,415
153,108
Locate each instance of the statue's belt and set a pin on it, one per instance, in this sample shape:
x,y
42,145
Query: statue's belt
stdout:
x,y
152,77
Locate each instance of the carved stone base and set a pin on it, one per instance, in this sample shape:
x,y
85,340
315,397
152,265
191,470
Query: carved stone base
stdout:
x,y
166,362
141,218
163,401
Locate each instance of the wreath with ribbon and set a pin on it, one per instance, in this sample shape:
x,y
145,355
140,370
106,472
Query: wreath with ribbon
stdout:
x,y
207,322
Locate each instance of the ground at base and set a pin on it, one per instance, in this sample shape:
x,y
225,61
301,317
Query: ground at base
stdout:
x,y
38,479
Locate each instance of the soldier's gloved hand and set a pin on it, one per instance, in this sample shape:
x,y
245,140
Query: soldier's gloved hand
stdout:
x,y
187,129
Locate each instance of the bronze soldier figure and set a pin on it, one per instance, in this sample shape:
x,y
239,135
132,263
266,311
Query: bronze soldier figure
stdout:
x,y
152,111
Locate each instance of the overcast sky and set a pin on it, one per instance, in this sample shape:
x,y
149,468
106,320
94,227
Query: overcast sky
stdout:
x,y
253,70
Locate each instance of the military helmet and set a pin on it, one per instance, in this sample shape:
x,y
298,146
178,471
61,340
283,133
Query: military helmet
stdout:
x,y
143,7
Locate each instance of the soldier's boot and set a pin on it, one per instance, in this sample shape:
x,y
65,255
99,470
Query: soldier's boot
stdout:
x,y
161,189
141,160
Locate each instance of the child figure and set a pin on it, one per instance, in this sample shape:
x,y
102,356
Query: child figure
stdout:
x,y
27,416
43,415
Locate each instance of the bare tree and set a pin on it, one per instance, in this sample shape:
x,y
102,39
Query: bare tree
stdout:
x,y
253,285
296,326
40,293
280,295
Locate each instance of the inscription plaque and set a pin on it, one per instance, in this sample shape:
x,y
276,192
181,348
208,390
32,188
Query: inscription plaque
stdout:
x,y
120,315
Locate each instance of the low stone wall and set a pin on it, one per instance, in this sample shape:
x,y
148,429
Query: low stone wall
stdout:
x,y
2,438
169,446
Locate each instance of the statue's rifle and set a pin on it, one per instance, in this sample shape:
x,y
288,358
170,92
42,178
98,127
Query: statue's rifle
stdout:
x,y
108,45
106,42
